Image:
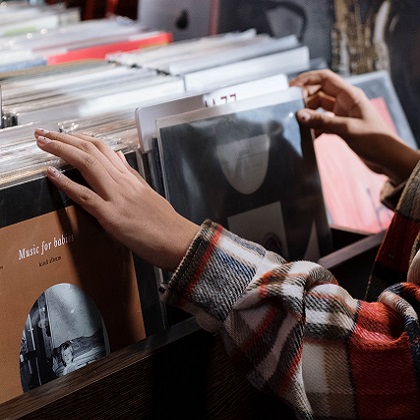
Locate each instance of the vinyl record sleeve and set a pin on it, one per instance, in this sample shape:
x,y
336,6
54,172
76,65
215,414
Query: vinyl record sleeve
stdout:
x,y
21,133
26,90
256,47
147,115
78,35
22,160
102,50
83,124
289,61
40,72
23,64
248,166
93,101
37,23
156,57
64,282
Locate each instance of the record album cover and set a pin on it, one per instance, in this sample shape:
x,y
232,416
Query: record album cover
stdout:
x,y
248,166
69,293
147,115
185,19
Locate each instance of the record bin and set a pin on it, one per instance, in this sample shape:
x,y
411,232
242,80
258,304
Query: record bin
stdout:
x,y
181,372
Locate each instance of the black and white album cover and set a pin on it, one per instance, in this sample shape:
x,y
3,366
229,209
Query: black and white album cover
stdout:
x,y
248,166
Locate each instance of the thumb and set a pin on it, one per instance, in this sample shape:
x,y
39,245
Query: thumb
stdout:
x,y
326,122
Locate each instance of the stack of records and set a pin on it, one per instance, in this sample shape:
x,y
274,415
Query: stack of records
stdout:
x,y
221,60
21,160
75,39
22,17
73,92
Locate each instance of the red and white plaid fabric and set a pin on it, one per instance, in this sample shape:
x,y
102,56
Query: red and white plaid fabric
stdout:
x,y
300,336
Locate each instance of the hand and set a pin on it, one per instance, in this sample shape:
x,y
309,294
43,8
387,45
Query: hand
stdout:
x,y
120,199
351,115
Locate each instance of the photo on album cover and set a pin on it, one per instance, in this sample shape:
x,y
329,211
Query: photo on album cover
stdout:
x,y
63,332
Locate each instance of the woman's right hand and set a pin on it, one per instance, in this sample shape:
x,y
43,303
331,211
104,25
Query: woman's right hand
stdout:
x,y
351,115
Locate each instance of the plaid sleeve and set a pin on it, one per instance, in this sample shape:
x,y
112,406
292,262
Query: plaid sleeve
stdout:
x,y
391,194
296,334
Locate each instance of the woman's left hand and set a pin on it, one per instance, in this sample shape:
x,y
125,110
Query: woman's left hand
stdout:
x,y
119,198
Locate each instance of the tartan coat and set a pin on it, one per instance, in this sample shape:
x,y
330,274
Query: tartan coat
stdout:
x,y
298,335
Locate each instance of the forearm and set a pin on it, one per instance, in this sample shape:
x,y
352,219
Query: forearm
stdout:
x,y
388,154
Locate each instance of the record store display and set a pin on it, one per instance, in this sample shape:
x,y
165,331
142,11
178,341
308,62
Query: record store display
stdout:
x,y
209,122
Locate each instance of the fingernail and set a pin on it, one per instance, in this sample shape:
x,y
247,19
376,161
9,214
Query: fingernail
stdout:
x,y
54,172
121,156
42,130
43,140
303,116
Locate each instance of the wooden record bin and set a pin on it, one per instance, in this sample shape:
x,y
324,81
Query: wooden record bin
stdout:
x,y
182,372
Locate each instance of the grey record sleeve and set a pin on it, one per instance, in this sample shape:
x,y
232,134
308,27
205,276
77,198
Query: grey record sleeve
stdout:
x,y
248,166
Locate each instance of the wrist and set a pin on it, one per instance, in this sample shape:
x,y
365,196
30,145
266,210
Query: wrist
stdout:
x,y
169,244
402,160
183,233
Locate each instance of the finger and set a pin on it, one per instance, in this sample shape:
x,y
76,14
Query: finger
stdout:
x,y
103,148
321,100
317,133
323,122
80,194
354,104
310,90
330,82
90,166
121,156
89,144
